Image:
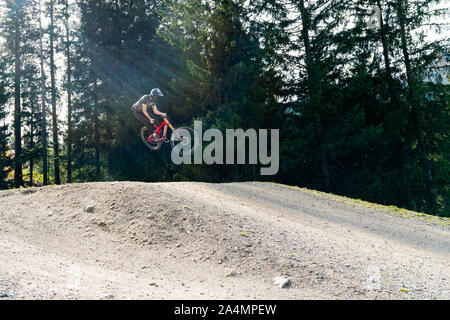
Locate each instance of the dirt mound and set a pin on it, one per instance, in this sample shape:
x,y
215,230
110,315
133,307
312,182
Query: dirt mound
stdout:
x,y
194,240
147,215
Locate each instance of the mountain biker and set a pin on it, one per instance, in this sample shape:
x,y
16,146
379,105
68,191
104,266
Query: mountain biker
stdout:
x,y
145,106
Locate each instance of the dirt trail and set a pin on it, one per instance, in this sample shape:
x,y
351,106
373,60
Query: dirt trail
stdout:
x,y
212,241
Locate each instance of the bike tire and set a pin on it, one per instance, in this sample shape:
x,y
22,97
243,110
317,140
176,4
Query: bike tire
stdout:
x,y
144,133
174,139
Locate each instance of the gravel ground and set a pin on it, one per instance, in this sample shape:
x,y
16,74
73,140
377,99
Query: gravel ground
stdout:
x,y
188,240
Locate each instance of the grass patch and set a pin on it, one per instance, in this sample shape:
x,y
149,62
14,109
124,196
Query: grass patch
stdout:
x,y
391,210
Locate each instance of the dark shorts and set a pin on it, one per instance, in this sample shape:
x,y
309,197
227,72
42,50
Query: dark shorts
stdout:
x,y
142,118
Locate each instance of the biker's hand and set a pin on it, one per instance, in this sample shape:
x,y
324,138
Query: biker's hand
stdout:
x,y
152,121
164,115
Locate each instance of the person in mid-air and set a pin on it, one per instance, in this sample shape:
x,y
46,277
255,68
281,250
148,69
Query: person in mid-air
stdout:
x,y
145,106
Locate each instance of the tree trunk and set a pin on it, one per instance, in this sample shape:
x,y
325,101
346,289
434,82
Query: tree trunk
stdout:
x,y
394,100
44,121
387,62
109,138
53,88
416,117
32,143
18,178
310,74
31,170
96,114
69,98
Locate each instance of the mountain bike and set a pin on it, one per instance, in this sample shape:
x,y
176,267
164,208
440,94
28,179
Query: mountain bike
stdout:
x,y
183,135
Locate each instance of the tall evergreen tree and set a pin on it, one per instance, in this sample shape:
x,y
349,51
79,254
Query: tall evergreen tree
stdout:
x,y
31,116
13,28
43,101
227,79
69,92
129,45
30,83
52,36
5,160
411,16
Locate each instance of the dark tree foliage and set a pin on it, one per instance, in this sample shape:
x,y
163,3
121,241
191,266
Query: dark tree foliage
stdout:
x,y
228,79
31,99
353,126
13,24
31,119
118,59
19,51
354,86
53,33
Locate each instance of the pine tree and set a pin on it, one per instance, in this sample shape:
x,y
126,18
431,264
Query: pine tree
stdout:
x,y
30,83
69,93
31,116
226,77
43,101
5,160
120,34
314,87
14,25
20,34
52,36
411,16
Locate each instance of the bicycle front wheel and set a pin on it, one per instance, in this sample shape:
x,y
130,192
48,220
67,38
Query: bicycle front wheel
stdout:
x,y
185,137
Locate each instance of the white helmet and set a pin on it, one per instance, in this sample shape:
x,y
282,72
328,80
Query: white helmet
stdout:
x,y
156,92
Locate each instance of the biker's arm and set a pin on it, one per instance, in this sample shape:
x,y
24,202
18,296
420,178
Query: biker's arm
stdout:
x,y
157,112
144,110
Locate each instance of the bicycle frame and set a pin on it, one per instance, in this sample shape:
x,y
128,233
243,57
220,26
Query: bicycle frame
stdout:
x,y
165,123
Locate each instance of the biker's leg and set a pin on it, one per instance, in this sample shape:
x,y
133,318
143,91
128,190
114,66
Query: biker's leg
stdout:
x,y
165,131
141,117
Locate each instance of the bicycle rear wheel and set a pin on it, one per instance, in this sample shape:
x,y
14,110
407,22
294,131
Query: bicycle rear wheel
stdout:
x,y
154,144
186,137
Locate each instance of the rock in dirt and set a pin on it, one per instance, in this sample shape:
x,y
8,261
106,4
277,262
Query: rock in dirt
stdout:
x,y
27,190
90,208
282,282
106,296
